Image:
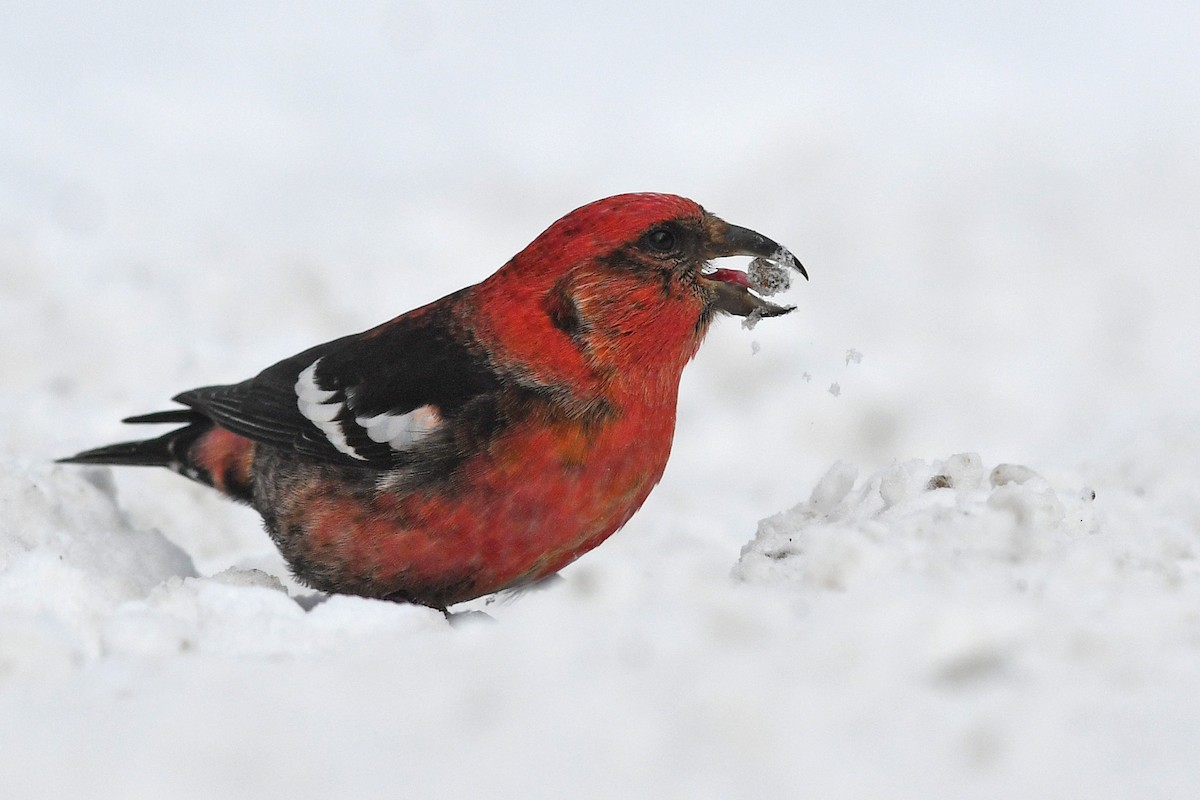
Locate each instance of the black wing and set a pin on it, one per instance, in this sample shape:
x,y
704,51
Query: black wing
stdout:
x,y
363,399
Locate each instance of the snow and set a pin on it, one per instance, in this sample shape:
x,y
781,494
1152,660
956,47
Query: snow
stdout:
x,y
769,277
970,570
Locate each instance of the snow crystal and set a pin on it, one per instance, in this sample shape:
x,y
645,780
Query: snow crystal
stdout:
x,y
768,277
1012,473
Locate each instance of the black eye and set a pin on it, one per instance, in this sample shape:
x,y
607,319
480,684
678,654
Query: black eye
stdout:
x,y
661,240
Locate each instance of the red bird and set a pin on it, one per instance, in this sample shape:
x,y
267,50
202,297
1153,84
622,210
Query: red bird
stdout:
x,y
488,439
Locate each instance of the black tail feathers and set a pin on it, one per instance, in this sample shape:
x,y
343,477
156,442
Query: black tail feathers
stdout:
x,y
169,450
175,415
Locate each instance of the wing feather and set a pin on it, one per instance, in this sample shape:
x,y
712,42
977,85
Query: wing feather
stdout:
x,y
365,400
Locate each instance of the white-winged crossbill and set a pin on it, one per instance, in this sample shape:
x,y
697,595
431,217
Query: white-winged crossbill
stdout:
x,y
488,439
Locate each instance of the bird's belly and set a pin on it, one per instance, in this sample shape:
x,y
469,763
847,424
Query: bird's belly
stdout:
x,y
527,506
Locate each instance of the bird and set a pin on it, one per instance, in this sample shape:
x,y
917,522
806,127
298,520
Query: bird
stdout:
x,y
484,441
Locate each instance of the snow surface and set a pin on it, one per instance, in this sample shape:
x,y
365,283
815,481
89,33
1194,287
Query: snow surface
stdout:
x,y
971,570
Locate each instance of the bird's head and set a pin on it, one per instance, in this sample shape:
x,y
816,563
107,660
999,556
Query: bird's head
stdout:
x,y
628,279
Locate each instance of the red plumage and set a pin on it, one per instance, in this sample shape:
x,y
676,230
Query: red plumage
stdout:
x,y
486,440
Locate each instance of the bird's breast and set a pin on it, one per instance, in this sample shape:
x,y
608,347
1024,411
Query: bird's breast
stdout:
x,y
543,493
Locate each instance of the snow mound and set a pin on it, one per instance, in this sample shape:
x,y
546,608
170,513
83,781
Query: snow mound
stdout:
x,y
69,557
242,612
940,519
958,573
81,582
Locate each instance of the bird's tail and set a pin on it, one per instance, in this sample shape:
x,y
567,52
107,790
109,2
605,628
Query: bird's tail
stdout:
x,y
201,450
169,450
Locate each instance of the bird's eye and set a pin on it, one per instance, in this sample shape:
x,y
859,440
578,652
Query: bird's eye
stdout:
x,y
661,240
